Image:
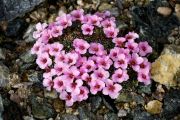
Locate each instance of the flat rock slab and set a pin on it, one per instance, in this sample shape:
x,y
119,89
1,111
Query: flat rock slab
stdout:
x,y
165,69
10,9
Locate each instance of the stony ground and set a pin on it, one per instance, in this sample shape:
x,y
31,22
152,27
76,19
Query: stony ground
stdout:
x,y
22,95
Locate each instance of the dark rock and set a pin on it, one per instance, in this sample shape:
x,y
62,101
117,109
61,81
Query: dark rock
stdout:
x,y
111,116
109,103
85,114
154,27
139,114
4,75
12,111
69,117
15,27
41,109
95,102
171,104
10,9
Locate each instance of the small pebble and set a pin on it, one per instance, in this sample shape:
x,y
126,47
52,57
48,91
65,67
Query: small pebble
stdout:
x,y
165,11
154,107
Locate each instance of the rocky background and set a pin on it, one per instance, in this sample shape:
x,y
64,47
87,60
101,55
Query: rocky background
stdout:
x,y
22,95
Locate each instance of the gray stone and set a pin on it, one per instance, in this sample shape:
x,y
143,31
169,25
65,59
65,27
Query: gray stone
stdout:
x,y
41,109
28,35
10,9
122,113
139,114
111,116
4,75
27,57
85,114
33,76
114,11
1,107
2,55
130,97
144,89
69,117
142,116
95,102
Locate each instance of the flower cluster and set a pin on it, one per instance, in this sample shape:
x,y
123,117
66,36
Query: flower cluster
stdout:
x,y
86,68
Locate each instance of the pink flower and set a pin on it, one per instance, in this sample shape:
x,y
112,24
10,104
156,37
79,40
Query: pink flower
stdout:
x,y
80,46
40,28
100,74
144,77
74,87
49,73
88,66
94,20
108,23
80,61
144,48
60,57
68,97
104,62
86,77
145,65
77,14
48,83
119,41
71,58
111,89
45,36
121,61
43,60
94,58
71,74
103,14
83,95
60,68
120,76
96,86
131,36
132,46
36,49
55,48
135,61
87,29
114,53
45,48
126,52
96,48
59,84
111,32
64,20
56,31
86,18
